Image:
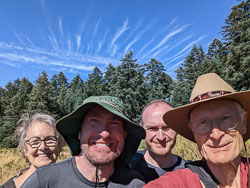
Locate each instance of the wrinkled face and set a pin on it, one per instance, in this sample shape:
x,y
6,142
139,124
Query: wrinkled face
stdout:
x,y
160,139
101,136
42,155
220,146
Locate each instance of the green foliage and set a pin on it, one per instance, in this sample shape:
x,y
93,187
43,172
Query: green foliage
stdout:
x,y
75,94
135,84
94,84
40,97
158,82
129,81
59,85
236,34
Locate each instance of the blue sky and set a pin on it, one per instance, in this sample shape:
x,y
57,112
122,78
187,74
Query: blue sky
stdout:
x,y
74,36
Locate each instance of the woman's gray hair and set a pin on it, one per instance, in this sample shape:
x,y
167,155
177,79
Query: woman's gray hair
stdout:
x,y
26,121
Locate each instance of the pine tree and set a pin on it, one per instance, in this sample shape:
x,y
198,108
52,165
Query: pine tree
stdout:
x,y
158,82
59,85
75,94
187,74
109,80
40,97
216,50
236,34
2,108
129,86
94,83
14,110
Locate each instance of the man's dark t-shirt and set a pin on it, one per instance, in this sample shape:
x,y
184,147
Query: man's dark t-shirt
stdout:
x,y
150,172
66,175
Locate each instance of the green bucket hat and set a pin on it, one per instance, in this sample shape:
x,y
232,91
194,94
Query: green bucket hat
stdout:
x,y
69,126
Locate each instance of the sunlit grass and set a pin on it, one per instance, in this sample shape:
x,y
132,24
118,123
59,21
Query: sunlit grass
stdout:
x,y
11,160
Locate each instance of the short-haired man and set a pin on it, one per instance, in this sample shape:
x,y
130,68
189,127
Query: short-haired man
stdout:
x,y
217,118
157,159
102,141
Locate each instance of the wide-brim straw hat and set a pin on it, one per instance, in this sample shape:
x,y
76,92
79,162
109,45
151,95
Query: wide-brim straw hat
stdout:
x,y
69,126
207,87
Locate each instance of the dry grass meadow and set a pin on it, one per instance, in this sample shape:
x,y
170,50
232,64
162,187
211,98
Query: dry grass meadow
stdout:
x,y
11,160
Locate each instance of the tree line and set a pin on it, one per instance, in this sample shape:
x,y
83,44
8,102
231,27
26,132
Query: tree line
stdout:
x,y
136,84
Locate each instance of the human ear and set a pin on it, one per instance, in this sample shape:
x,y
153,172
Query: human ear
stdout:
x,y
243,129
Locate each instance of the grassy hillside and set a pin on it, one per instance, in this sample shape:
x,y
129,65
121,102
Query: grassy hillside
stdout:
x,y
11,160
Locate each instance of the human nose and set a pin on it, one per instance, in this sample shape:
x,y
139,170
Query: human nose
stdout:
x,y
216,132
104,131
42,145
160,135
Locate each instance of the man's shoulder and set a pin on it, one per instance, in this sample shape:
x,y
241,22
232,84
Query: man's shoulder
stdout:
x,y
180,164
55,167
126,175
181,178
138,157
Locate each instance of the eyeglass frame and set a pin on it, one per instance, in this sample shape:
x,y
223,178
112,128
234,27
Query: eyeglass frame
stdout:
x,y
44,140
216,121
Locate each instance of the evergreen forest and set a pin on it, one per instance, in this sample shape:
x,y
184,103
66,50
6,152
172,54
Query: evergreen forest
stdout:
x,y
136,84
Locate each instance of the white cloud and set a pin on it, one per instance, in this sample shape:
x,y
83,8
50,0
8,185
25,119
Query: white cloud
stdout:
x,y
167,37
120,31
78,41
187,47
60,25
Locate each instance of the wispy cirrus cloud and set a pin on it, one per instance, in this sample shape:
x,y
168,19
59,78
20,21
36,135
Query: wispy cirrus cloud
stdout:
x,y
96,27
139,35
60,59
167,37
60,25
184,51
120,31
167,48
97,46
78,41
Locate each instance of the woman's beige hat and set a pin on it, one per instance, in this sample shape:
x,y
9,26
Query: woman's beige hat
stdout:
x,y
207,87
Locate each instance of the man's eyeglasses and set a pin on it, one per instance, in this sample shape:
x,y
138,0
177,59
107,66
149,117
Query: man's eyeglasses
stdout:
x,y
35,142
224,122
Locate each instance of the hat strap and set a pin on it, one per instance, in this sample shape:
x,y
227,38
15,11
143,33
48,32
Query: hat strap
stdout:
x,y
208,95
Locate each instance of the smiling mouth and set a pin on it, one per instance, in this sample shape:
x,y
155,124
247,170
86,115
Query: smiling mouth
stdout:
x,y
219,146
101,144
43,155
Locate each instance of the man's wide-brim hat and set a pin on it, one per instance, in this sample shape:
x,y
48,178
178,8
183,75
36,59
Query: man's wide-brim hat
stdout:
x,y
69,126
207,87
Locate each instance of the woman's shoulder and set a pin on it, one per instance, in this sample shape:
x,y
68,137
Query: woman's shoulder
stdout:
x,y
9,184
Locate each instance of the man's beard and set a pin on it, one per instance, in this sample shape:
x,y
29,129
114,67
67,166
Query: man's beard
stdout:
x,y
100,159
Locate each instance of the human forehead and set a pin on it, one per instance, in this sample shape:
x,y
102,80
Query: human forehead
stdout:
x,y
215,106
155,109
153,115
40,129
99,111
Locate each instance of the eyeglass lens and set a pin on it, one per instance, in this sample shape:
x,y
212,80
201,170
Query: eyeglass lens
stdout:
x,y
224,122
49,141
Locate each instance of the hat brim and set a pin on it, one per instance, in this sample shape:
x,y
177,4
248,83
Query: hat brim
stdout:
x,y
177,119
69,127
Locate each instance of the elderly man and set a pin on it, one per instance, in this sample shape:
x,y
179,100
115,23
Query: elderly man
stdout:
x,y
217,119
102,140
157,159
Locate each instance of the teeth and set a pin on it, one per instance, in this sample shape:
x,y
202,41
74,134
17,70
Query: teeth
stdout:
x,y
101,144
42,155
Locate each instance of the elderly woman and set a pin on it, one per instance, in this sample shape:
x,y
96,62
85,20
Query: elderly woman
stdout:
x,y
39,142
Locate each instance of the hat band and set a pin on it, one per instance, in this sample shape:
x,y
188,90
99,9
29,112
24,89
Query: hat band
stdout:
x,y
208,95
112,104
